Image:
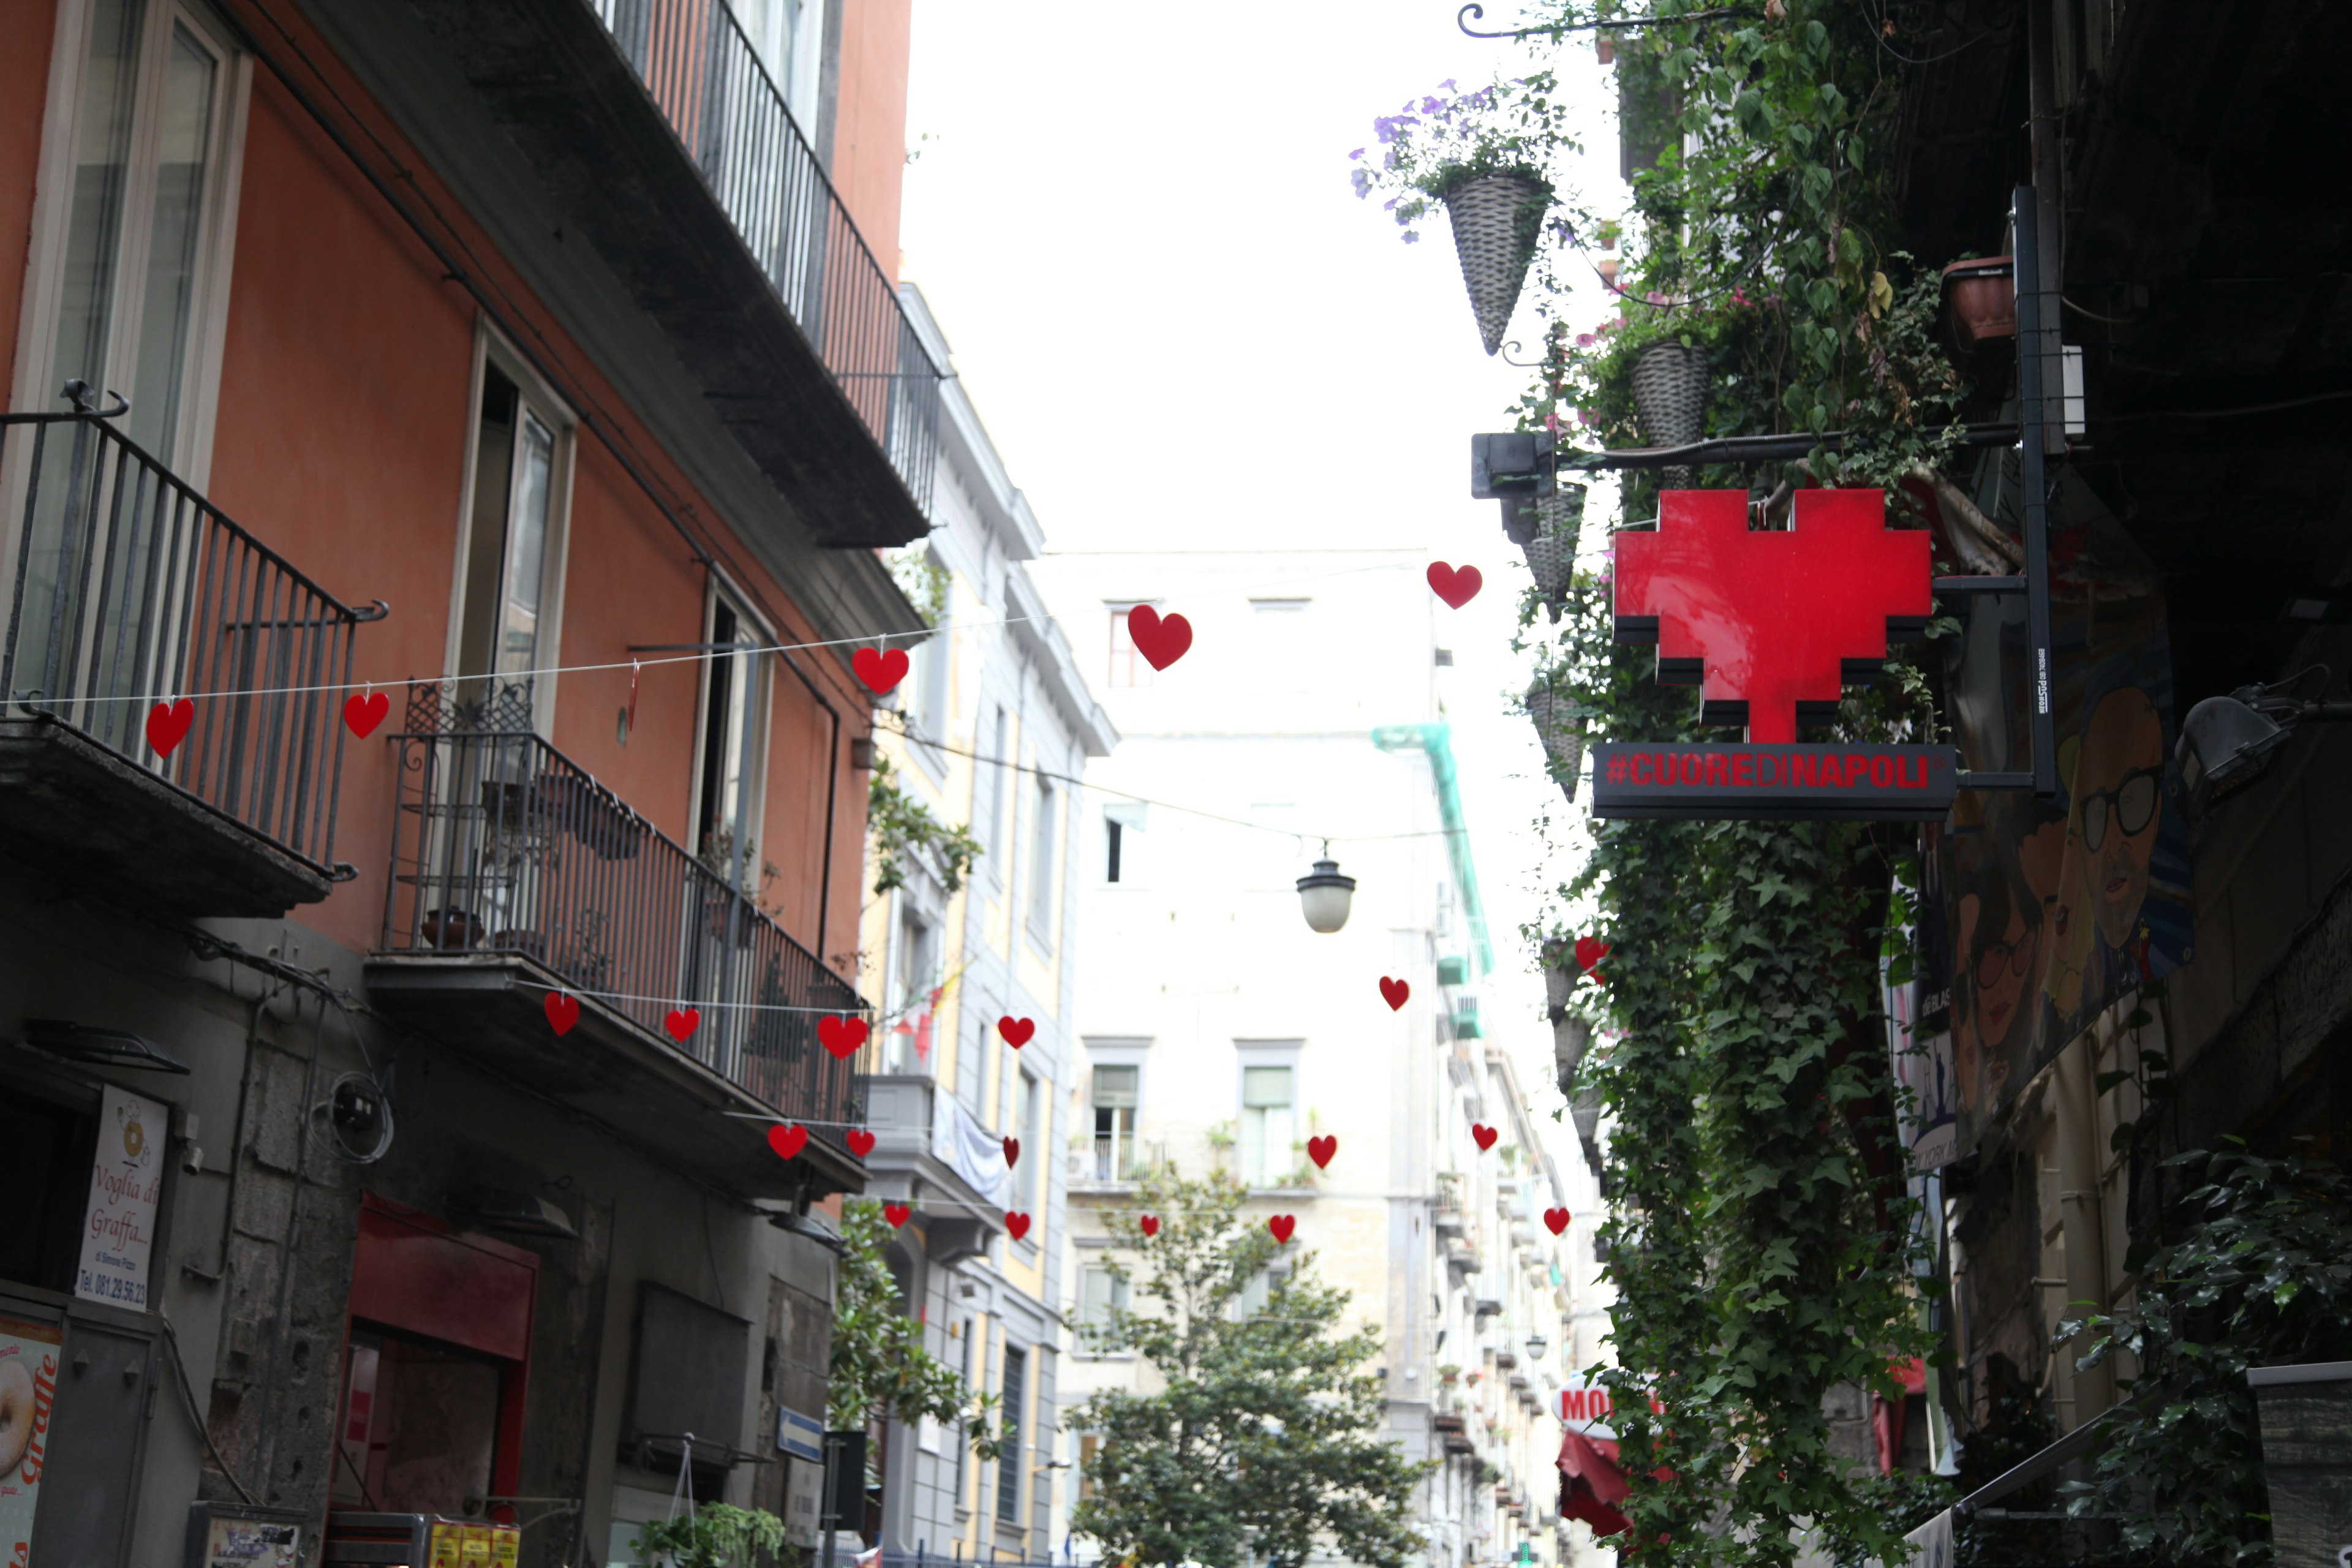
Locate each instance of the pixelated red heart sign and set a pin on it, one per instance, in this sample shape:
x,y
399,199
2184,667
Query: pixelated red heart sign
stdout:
x,y
1770,624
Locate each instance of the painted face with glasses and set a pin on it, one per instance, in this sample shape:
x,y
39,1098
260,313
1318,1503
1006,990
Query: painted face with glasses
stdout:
x,y
2119,803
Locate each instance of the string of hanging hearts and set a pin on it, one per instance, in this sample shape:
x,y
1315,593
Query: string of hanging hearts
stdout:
x,y
1161,640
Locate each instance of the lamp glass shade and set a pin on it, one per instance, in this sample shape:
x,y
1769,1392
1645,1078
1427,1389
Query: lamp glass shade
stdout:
x,y
1325,896
1537,1345
2224,745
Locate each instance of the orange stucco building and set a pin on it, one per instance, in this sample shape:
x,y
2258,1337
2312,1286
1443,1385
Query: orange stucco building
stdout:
x,y
538,366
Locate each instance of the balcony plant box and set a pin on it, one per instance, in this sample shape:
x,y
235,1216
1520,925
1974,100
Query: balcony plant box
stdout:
x,y
1981,299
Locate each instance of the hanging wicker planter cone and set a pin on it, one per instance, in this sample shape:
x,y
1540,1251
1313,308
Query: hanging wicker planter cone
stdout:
x,y
1670,399
1496,220
1552,553
1562,733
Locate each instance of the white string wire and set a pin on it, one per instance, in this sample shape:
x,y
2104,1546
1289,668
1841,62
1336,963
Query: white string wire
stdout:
x,y
945,628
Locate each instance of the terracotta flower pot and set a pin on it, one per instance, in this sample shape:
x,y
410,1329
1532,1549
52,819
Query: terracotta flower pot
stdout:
x,y
1495,219
1981,299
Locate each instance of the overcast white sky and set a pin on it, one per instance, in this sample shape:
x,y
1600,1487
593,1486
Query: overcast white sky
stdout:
x,y
1184,329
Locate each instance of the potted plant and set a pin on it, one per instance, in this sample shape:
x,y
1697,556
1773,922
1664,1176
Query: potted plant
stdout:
x,y
1482,156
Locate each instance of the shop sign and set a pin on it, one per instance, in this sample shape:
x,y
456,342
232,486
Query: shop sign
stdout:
x,y
28,1395
126,1181
1587,1407
1771,626
1858,784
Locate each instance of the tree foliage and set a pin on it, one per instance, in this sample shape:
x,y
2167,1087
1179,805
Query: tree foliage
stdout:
x,y
1264,1443
900,826
1763,1248
2262,1275
881,1370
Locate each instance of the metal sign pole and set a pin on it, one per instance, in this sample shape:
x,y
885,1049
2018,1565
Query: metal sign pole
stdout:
x,y
2033,417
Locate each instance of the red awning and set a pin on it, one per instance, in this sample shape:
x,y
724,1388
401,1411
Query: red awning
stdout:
x,y
1590,1484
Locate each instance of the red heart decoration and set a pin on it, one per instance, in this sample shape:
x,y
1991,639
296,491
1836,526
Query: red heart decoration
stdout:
x,y
1282,1224
682,1021
1320,1151
896,1214
1016,1031
1148,1224
841,1037
1394,993
787,1139
362,714
860,1141
1457,586
562,1012
167,725
1012,1152
881,671
1557,1219
1482,1135
1590,950
1016,1224
1160,642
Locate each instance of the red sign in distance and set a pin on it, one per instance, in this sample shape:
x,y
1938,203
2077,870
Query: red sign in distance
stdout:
x,y
1770,623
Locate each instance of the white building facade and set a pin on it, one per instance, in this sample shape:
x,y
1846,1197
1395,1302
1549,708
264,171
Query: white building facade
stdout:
x,y
1217,1030
996,722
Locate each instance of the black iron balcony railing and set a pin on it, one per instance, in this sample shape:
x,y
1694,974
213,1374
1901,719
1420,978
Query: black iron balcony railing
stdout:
x,y
712,87
131,588
503,846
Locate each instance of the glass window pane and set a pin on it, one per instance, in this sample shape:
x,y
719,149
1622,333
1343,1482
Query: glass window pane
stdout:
x,y
165,319
101,170
1115,1088
1266,1086
526,562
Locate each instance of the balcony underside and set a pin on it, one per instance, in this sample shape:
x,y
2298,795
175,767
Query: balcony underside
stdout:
x,y
549,73
492,1010
80,812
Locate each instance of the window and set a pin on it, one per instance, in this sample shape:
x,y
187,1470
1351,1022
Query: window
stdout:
x,y
991,820
1121,821
147,180
918,961
1014,1458
929,710
1090,1444
1033,1144
1259,1292
509,576
1267,1122
1102,1291
51,1148
1127,668
1115,1092
734,740
1041,863
127,273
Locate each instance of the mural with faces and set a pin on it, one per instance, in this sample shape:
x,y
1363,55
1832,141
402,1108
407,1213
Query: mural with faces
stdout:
x,y
2055,910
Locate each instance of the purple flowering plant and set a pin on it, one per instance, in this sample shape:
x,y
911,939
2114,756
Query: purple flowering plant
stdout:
x,y
1435,143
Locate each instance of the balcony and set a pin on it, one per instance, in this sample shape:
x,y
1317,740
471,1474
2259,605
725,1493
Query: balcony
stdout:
x,y
515,874
933,1155
129,587
655,127
1113,1162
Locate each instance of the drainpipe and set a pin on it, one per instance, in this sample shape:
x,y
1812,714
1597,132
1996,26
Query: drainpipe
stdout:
x,y
2073,1116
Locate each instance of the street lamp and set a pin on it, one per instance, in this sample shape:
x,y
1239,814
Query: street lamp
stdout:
x,y
1537,1345
1325,895
2227,741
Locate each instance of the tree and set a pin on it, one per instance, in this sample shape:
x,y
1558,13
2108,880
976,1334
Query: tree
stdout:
x,y
1265,1441
880,1369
